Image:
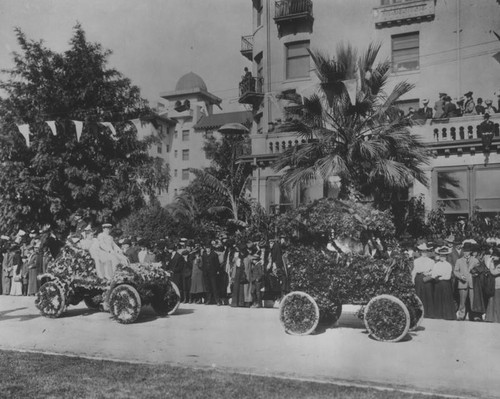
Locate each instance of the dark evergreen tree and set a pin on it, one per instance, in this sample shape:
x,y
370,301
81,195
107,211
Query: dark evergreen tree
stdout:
x,y
107,176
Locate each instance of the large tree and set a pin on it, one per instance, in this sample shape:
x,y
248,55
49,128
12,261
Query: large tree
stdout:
x,y
107,176
369,144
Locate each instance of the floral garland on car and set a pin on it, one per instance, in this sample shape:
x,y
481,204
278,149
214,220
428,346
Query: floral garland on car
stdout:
x,y
150,280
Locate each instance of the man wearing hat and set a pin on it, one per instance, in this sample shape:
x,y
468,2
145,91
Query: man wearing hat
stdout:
x,y
462,272
469,105
490,109
210,265
425,112
176,266
486,128
439,105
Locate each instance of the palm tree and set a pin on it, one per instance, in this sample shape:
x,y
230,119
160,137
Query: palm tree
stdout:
x,y
368,144
232,191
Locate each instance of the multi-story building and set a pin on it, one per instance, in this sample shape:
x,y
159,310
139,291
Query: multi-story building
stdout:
x,y
191,107
439,46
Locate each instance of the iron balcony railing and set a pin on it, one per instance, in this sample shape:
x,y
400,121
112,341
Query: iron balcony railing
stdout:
x,y
251,85
290,8
246,43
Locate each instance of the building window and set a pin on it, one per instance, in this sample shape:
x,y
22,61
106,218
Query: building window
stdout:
x,y
297,60
185,155
462,191
175,154
175,192
185,174
168,148
185,135
159,148
175,172
405,52
176,134
259,8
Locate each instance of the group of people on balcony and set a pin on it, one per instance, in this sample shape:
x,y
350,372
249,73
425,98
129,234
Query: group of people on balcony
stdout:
x,y
445,108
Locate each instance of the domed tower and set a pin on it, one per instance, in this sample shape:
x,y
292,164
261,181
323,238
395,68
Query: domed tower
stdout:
x,y
187,104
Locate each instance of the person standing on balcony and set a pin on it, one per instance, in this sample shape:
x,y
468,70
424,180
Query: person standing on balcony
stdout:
x,y
490,109
480,106
439,106
469,106
425,112
449,109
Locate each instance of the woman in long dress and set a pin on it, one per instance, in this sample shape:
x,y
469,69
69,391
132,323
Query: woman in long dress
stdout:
x,y
106,253
17,279
35,266
422,269
493,308
444,306
197,288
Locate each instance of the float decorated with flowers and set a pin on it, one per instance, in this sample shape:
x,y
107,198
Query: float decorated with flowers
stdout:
x,y
331,263
72,278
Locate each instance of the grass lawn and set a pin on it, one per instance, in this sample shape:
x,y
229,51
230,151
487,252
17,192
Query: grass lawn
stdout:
x,y
29,375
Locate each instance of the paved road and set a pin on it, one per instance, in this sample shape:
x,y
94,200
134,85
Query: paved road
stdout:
x,y
456,358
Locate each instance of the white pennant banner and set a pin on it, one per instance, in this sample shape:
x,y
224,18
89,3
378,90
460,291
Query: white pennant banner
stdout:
x,y
52,125
351,86
110,126
79,128
25,131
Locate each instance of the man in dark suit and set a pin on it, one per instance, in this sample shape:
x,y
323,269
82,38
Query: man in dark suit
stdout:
x,y
211,266
425,112
449,109
176,267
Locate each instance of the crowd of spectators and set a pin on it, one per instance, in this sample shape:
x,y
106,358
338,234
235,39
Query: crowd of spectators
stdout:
x,y
218,272
445,107
452,279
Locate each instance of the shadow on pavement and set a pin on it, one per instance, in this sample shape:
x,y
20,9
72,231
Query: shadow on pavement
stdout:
x,y
4,315
79,312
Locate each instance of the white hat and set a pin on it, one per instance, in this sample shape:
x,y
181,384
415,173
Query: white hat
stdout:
x,y
21,233
425,101
107,225
424,247
443,250
3,237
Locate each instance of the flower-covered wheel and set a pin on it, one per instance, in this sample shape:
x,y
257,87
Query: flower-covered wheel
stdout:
x,y
387,318
51,299
299,313
124,303
167,301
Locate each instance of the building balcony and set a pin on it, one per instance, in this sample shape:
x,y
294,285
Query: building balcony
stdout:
x,y
404,13
251,91
290,14
458,135
247,47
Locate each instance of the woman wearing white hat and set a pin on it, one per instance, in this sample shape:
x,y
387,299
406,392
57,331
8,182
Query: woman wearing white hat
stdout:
x,y
422,270
444,307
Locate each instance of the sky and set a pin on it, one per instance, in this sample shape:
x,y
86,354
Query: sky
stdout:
x,y
154,42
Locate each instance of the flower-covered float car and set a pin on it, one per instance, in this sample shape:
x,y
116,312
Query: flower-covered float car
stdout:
x,y
325,277
72,277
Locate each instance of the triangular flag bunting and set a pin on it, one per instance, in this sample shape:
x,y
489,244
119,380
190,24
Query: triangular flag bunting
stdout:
x,y
110,126
351,86
25,131
52,125
79,128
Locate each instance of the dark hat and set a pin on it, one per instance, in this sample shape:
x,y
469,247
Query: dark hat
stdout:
x,y
486,115
468,247
468,94
171,246
229,242
442,94
184,252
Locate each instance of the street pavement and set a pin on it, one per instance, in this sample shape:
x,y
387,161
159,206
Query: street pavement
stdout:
x,y
442,357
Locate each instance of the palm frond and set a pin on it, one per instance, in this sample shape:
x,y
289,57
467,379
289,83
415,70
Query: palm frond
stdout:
x,y
210,181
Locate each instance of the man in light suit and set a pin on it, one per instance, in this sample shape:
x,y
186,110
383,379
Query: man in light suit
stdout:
x,y
462,270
